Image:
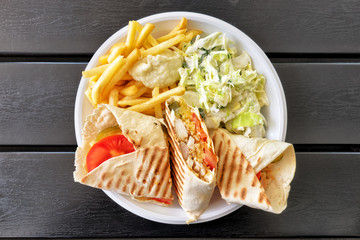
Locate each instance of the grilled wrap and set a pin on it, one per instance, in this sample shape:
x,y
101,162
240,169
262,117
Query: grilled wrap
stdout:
x,y
192,156
255,172
144,173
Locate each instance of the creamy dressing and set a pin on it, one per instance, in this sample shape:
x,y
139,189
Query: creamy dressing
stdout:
x,y
160,70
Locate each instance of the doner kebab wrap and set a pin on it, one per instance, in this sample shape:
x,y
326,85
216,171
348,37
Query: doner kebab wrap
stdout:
x,y
126,152
192,156
255,172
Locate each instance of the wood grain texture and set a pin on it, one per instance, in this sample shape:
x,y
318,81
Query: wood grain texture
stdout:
x,y
322,101
82,26
37,102
38,198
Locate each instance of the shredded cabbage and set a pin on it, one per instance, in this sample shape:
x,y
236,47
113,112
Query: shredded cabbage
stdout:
x,y
230,92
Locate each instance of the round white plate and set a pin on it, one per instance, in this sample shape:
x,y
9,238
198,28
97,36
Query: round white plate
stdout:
x,y
275,113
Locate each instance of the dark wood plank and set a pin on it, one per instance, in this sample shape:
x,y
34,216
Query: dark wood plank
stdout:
x,y
322,101
38,198
37,101
81,26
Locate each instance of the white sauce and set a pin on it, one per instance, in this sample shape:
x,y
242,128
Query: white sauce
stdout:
x,y
160,70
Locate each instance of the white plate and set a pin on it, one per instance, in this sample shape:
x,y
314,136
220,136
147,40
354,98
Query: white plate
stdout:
x,y
275,113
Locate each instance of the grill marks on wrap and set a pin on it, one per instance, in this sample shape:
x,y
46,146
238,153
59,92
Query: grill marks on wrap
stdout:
x,y
160,168
245,176
150,173
220,166
231,159
151,177
227,180
243,193
177,171
177,165
254,181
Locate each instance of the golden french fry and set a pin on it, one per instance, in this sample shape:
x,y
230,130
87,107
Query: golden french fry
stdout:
x,y
131,102
127,76
138,84
116,52
162,97
173,86
103,59
147,45
119,88
164,89
93,80
95,71
138,26
149,112
130,83
178,50
191,34
164,45
147,29
105,79
118,44
129,91
130,39
157,107
129,62
150,38
170,35
114,97
181,25
138,94
121,84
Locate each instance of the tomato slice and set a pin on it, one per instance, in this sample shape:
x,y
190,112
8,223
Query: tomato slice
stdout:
x,y
210,158
258,175
163,200
106,148
198,127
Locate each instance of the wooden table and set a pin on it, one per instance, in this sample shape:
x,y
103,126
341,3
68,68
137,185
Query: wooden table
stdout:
x,y
44,46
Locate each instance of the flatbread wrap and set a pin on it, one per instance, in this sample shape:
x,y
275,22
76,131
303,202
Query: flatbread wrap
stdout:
x,y
255,172
192,156
126,152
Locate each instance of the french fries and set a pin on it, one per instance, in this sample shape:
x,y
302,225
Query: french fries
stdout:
x,y
144,34
162,97
164,45
130,60
170,35
110,82
130,39
129,91
94,71
114,97
132,102
116,51
157,107
105,79
181,25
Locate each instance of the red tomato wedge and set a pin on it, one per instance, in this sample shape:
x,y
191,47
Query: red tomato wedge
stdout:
x,y
258,175
210,158
106,148
198,127
163,200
